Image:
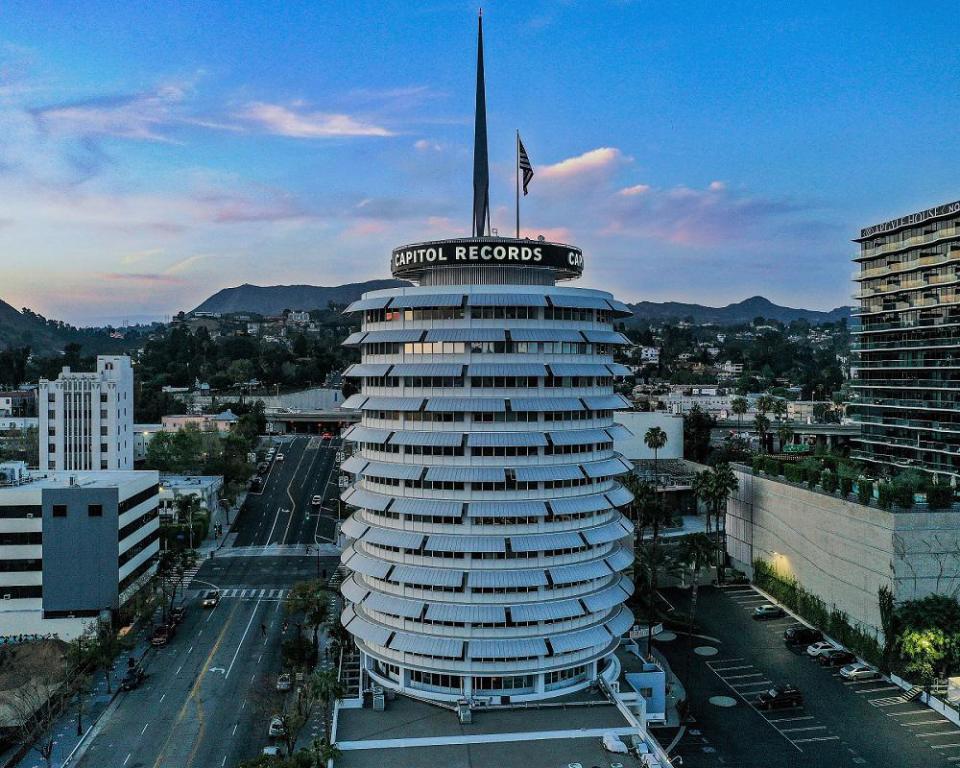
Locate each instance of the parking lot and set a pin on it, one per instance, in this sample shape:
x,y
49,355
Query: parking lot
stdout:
x,y
841,723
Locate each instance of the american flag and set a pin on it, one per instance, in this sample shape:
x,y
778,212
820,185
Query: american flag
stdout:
x,y
524,164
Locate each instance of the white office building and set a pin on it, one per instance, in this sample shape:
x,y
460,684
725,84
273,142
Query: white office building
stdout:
x,y
74,546
86,419
486,547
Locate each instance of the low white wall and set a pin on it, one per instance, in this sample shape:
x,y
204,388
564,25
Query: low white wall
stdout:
x,y
638,422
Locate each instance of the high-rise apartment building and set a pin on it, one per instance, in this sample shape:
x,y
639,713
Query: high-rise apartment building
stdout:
x,y
906,366
487,550
86,419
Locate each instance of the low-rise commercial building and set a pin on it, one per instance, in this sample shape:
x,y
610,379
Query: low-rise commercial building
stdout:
x,y
205,488
205,422
19,402
73,546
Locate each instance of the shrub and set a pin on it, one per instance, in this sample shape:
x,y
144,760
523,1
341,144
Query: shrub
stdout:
x,y
773,467
902,496
828,481
758,464
940,496
846,486
884,495
793,473
813,476
864,490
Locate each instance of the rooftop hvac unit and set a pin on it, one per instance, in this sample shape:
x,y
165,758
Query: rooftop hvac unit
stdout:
x,y
13,473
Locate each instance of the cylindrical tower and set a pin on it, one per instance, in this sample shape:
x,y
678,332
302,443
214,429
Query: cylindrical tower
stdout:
x,y
486,547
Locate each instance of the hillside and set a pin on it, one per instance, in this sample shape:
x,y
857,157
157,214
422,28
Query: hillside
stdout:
x,y
44,337
734,314
273,299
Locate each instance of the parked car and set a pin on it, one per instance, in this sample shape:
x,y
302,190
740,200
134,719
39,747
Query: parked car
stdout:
x,y
284,682
276,728
838,657
779,696
733,576
162,634
859,670
767,611
176,614
280,457
210,598
801,635
821,646
256,484
262,467
317,500
272,751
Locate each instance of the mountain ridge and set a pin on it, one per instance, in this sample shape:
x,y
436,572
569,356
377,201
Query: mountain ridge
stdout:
x,y
273,299
735,313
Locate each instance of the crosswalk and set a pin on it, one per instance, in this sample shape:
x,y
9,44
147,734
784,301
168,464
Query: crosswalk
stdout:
x,y
254,594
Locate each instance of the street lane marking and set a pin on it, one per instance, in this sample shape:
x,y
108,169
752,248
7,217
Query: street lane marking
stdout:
x,y
144,729
162,698
242,638
127,759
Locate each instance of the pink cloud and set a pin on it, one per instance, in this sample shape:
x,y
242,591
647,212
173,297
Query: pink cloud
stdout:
x,y
284,121
589,163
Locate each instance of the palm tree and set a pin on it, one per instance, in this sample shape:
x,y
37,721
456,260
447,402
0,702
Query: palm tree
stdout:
x,y
324,751
695,551
762,424
701,491
784,433
722,483
327,688
779,408
655,438
739,407
652,513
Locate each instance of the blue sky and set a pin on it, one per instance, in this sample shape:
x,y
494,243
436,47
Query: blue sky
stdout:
x,y
698,151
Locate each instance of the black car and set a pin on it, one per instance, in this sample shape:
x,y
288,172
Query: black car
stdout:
x,y
801,635
132,679
780,696
836,658
177,613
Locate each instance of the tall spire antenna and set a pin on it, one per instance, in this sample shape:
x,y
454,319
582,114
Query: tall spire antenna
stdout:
x,y
481,171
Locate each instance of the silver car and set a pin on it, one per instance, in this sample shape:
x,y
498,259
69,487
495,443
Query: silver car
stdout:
x,y
859,670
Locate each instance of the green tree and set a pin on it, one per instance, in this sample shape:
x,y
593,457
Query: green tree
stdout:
x,y
172,567
327,688
762,425
784,435
924,650
696,551
312,600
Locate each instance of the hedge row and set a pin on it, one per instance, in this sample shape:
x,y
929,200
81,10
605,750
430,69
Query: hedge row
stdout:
x,y
788,591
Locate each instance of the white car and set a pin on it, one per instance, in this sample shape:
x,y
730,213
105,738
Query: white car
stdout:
x,y
284,682
316,501
822,647
272,751
276,727
280,457
858,671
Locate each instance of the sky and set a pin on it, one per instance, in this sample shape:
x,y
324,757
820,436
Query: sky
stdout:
x,y
154,153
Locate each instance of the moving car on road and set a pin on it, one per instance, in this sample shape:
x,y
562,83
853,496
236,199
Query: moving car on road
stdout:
x,y
859,670
280,457
284,682
784,695
132,679
316,500
801,635
836,658
821,646
767,611
210,598
176,614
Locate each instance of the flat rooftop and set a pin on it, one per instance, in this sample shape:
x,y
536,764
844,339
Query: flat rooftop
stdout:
x,y
550,734
36,480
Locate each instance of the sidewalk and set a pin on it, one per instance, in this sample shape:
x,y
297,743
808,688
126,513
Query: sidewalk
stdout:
x,y
69,747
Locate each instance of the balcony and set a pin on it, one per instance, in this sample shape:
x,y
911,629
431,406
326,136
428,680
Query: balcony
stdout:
x,y
945,233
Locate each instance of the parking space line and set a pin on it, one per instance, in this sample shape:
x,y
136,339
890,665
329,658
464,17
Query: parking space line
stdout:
x,y
748,674
924,722
888,701
909,712
724,669
816,738
943,746
878,690
938,734
790,719
758,684
805,728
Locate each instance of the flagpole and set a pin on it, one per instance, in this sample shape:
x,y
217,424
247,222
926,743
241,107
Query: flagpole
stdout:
x,y
518,183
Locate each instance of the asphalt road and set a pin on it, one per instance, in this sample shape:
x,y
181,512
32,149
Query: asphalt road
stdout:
x,y
865,723
209,694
